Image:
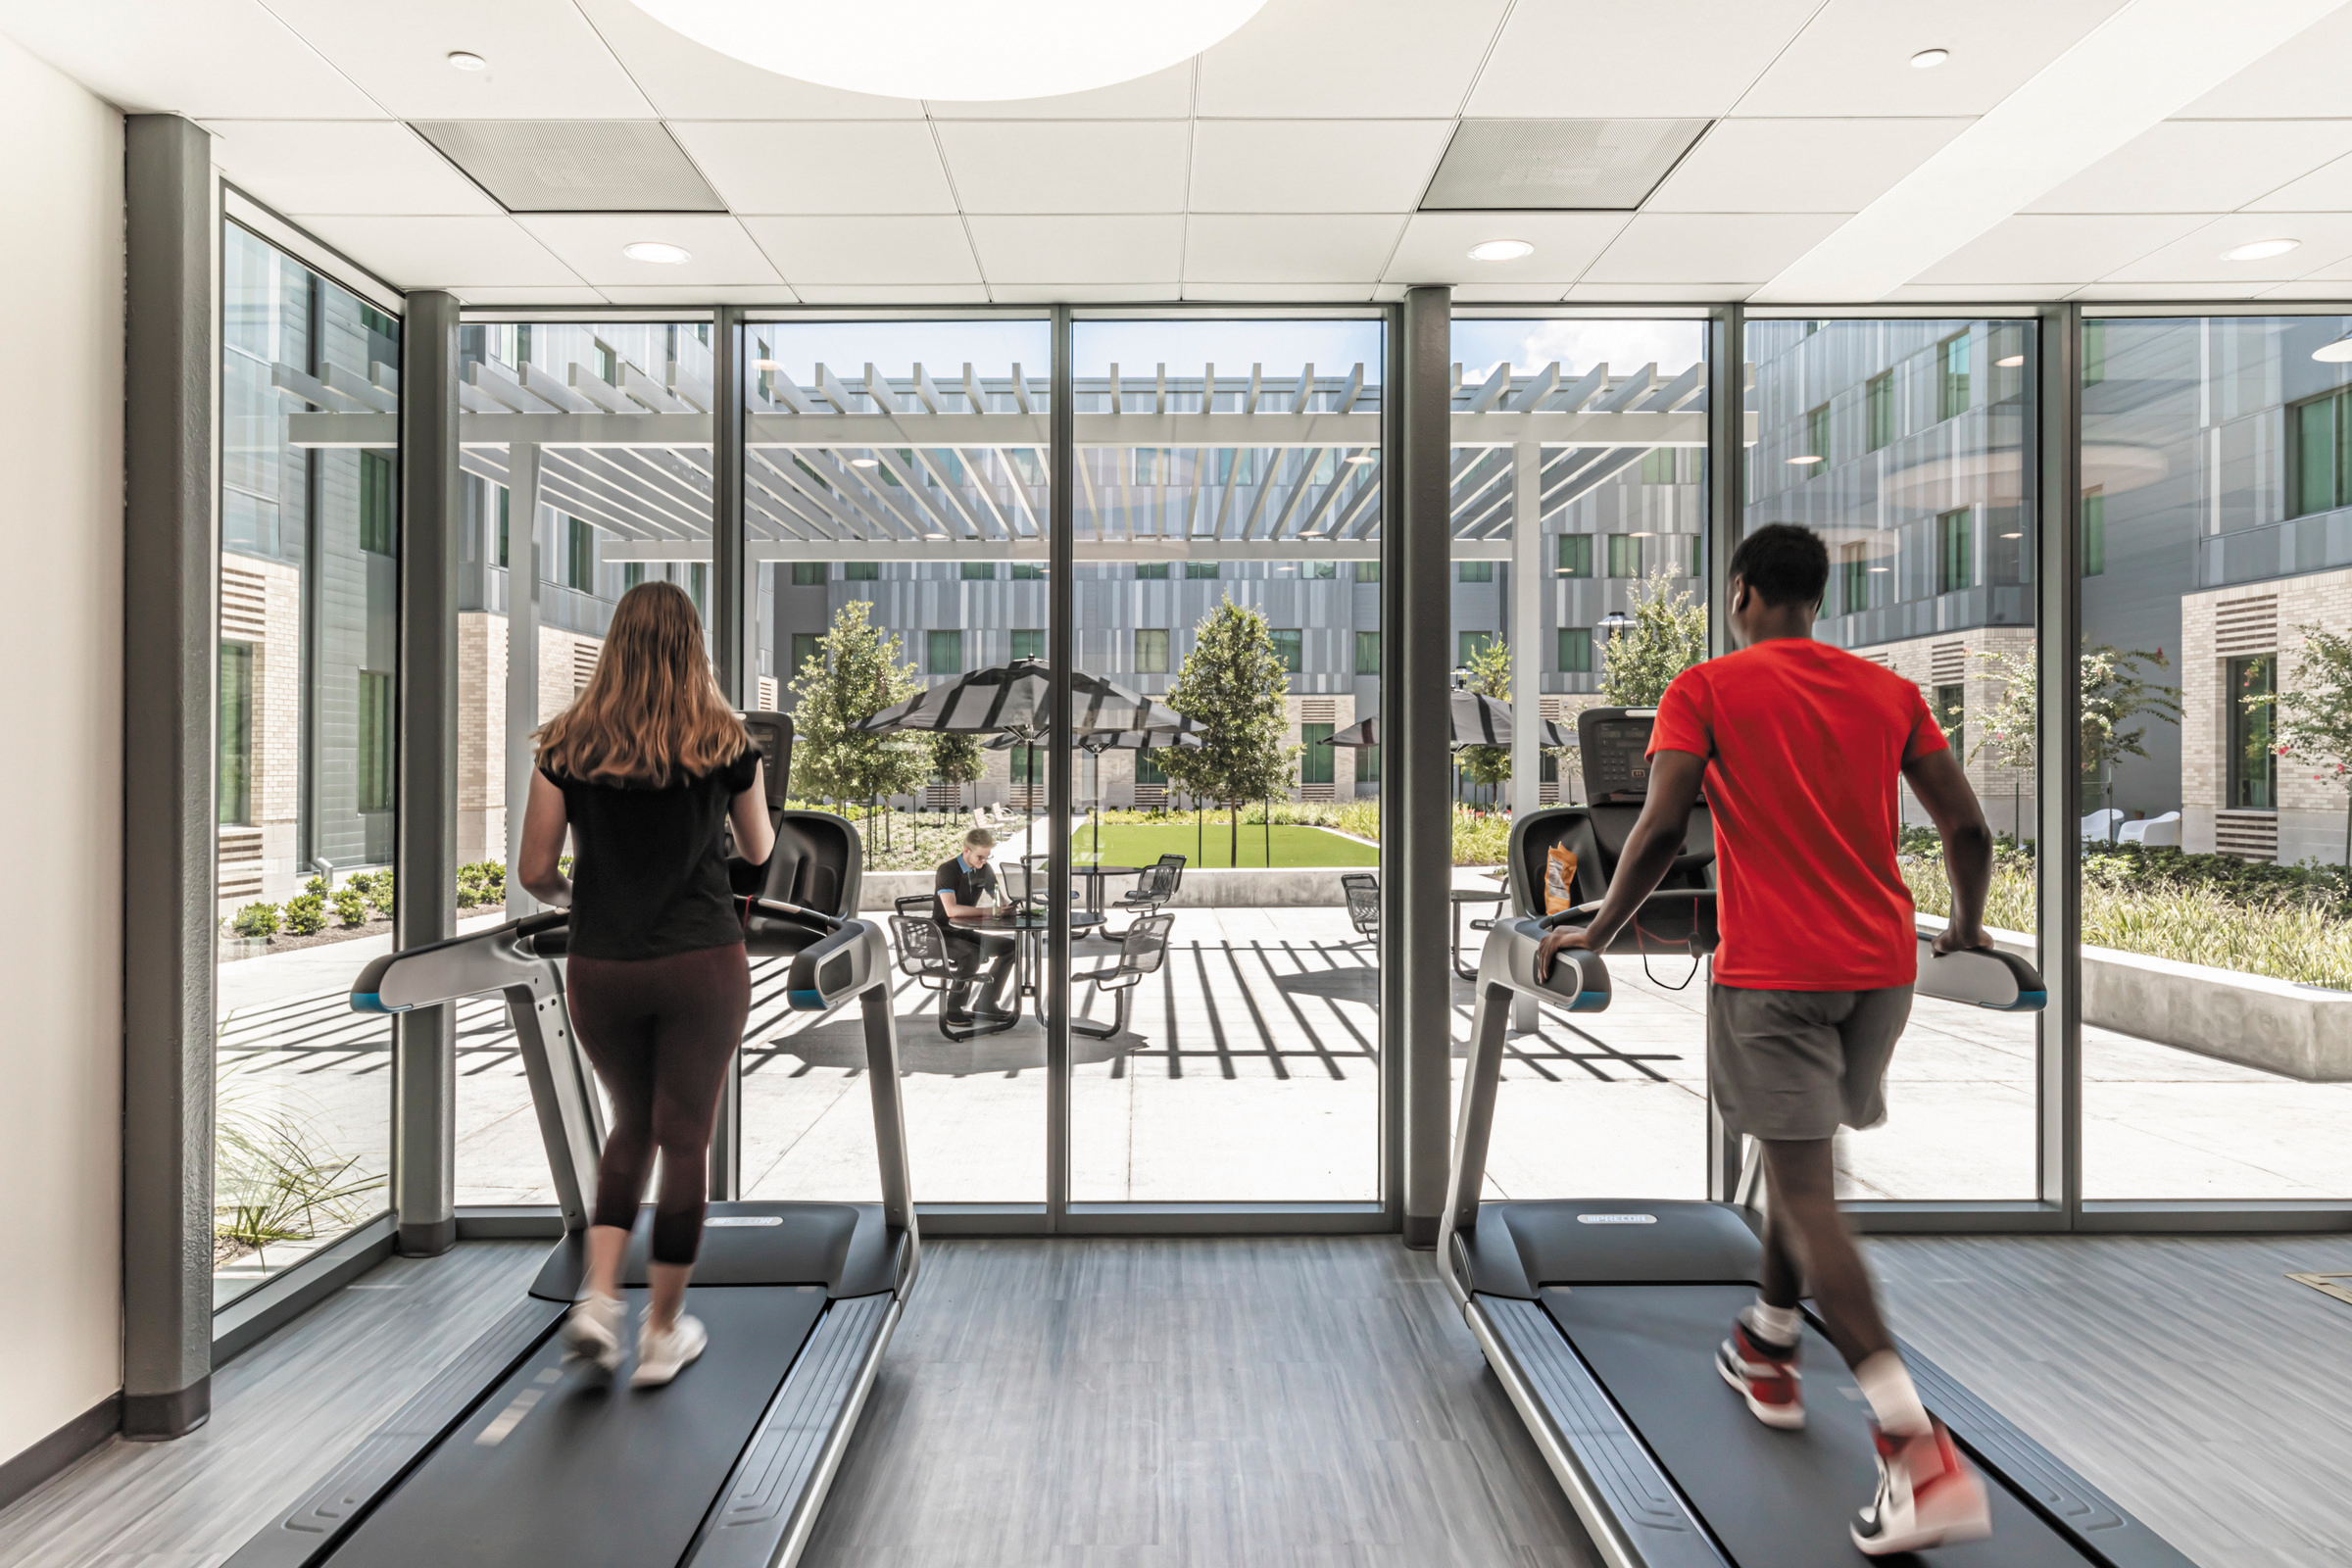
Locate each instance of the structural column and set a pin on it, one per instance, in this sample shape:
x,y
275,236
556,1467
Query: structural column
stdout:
x,y
731,615
1061,650
2058,770
1417,760
1727,507
1527,660
522,658
170,580
425,1040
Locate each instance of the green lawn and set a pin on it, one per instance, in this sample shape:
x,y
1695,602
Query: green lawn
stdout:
x,y
1211,846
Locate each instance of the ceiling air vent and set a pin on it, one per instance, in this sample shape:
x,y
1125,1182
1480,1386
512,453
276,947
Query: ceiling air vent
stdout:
x,y
1552,165
575,165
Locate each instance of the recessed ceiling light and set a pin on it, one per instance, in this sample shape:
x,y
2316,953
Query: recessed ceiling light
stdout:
x,y
653,250
767,364
861,462
463,59
2013,536
1367,457
1811,457
937,49
2335,353
1501,250
1929,58
2259,250
1881,568
2011,362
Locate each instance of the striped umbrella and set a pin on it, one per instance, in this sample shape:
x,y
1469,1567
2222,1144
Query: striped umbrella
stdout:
x,y
1477,721
1013,700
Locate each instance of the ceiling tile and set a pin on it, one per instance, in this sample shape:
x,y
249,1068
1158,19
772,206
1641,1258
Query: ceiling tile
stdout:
x,y
2330,290
1855,57
1642,60
2325,189
1084,293
529,298
447,252
2144,292
1162,95
590,243
684,77
1655,293
691,294
204,58
1280,293
1231,248
1437,245
1798,166
855,165
852,251
2200,166
342,166
2303,78
2063,250
1709,247
1390,291
1078,249
2196,256
1507,293
1067,166
545,61
1314,166
892,293
1350,59
1976,293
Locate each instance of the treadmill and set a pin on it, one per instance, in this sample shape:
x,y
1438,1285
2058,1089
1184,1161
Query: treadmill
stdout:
x,y
1600,1318
514,1453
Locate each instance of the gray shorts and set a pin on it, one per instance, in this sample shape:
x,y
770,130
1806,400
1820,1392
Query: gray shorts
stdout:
x,y
1794,1065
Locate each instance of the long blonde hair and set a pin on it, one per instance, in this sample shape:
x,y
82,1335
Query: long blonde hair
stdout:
x,y
652,712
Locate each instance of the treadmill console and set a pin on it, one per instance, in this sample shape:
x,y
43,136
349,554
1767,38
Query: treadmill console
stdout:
x,y
1615,744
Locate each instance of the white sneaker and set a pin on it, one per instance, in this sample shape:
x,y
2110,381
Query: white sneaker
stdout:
x,y
1929,1495
663,1357
592,1330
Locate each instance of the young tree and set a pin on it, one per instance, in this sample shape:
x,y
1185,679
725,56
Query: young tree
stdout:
x,y
1488,674
2313,717
2008,732
855,674
1667,635
2114,693
1233,686
955,760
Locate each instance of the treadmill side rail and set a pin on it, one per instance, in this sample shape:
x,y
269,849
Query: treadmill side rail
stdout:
x,y
1635,1517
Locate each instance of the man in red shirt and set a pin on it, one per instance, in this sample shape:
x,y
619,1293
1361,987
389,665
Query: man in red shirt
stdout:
x,y
1800,745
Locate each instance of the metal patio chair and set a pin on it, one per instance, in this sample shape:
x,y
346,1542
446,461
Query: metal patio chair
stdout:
x,y
1143,949
1363,904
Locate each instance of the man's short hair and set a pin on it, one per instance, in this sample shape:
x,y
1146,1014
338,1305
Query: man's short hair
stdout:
x,y
979,838
1785,564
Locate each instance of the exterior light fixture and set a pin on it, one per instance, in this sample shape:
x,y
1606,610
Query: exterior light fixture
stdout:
x,y
1615,621
1929,58
2011,362
653,250
1881,568
2261,249
1501,250
1806,456
953,50
2338,352
465,60
2013,536
861,462
1367,457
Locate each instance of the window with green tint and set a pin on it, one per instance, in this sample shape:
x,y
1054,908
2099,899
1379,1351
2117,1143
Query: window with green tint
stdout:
x,y
809,573
1029,643
1657,466
1691,555
233,735
805,649
1147,769
1287,643
1028,765
1853,579
817,478
1468,645
1200,568
579,555
1321,570
1151,651
608,364
1816,439
1151,572
502,525
1576,554
1028,570
698,587
375,746
1576,650
1314,762
1951,376
1951,715
632,573
2253,760
2094,353
1878,411
979,571
1151,466
1955,552
1475,572
1367,764
1367,571
2318,436
862,572
943,652
1367,652
2094,531
376,509
1625,555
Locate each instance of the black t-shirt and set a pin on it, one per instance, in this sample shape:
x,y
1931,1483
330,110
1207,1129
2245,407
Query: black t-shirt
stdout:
x,y
965,883
648,876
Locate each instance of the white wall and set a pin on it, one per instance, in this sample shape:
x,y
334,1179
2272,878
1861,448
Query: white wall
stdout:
x,y
61,711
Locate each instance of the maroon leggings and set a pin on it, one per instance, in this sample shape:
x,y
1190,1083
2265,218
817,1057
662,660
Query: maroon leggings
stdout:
x,y
661,1032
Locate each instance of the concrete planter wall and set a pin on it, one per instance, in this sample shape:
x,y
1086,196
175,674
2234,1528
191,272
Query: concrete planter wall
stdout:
x,y
1317,886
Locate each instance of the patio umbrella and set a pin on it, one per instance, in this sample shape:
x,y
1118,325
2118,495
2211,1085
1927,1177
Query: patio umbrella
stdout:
x,y
1014,699
1096,742
1477,721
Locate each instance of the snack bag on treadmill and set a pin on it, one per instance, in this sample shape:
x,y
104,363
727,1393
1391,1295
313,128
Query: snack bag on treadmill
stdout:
x,y
1559,879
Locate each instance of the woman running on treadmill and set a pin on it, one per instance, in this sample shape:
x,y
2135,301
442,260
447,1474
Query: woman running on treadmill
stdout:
x,y
1799,746
643,770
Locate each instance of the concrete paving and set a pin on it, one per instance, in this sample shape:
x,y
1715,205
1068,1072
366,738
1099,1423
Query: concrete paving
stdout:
x,y
1248,1072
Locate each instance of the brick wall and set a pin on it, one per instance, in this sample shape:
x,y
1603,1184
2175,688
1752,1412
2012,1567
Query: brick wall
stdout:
x,y
261,605
2226,624
1955,659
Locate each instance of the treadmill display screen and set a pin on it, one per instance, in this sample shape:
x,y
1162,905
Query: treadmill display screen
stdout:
x,y
1615,759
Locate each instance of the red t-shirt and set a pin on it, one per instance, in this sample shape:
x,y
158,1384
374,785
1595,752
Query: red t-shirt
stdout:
x,y
1804,743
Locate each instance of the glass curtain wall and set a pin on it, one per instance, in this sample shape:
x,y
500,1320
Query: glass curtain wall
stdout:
x,y
587,468
2217,914
1909,446
1578,495
896,512
305,763
1228,542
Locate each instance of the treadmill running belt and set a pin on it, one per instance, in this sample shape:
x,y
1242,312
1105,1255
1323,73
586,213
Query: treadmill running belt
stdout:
x,y
559,1464
1774,1499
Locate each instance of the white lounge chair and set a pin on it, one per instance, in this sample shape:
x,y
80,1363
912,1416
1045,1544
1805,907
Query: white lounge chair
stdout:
x,y
2153,832
2101,826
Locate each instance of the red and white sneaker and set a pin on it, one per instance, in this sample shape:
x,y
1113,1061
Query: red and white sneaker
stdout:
x,y
1766,1376
1927,1495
